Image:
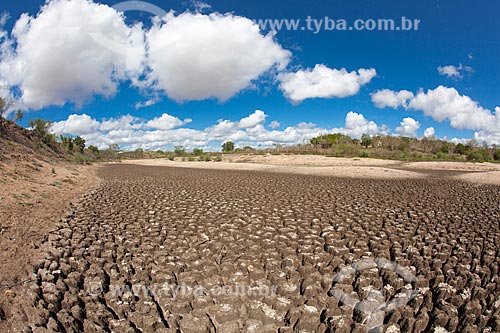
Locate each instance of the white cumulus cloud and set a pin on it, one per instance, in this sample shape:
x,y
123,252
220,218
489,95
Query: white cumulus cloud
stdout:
x,y
167,122
131,132
447,104
123,122
408,127
356,125
74,50
388,98
256,118
323,82
56,60
76,125
429,132
461,111
193,56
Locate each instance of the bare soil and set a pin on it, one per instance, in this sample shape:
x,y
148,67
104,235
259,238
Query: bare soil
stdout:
x,y
291,233
364,168
34,195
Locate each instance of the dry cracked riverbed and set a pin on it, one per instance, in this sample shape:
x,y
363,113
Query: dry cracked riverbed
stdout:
x,y
182,250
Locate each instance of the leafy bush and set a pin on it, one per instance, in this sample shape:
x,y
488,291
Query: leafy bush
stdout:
x,y
82,159
179,150
460,149
445,149
228,146
79,143
41,128
496,155
364,153
198,151
480,155
205,158
171,157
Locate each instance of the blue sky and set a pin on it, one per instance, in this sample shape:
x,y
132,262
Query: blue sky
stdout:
x,y
454,33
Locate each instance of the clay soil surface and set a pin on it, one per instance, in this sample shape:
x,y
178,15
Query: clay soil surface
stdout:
x,y
270,252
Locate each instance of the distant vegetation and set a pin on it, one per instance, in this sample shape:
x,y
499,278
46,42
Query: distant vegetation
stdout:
x,y
397,147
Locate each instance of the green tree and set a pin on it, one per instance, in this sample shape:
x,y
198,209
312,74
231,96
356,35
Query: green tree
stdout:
x,y
41,129
67,142
479,155
18,116
460,149
198,151
366,140
79,143
139,153
228,146
314,141
179,150
93,149
496,155
445,149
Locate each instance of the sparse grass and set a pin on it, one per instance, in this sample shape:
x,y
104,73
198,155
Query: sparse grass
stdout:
x,y
44,196
57,184
205,158
171,157
26,195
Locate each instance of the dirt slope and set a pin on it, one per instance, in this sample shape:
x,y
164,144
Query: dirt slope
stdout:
x,y
37,182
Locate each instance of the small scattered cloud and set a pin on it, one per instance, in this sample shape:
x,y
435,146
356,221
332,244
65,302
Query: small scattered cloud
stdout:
x,y
274,124
200,6
147,103
454,72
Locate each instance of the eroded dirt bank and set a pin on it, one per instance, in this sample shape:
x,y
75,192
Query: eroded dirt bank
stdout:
x,y
33,197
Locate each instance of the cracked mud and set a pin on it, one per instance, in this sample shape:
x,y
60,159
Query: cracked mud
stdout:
x,y
163,250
